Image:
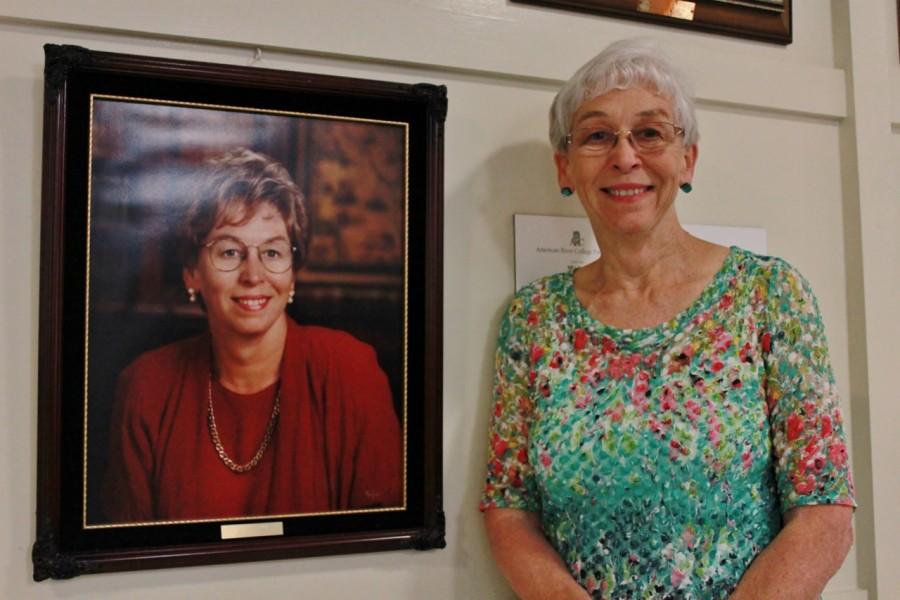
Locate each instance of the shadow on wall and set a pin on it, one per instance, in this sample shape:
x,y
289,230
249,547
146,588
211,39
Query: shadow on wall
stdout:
x,y
515,179
520,179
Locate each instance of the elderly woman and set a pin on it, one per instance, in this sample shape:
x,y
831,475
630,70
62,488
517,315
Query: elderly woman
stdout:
x,y
258,416
665,419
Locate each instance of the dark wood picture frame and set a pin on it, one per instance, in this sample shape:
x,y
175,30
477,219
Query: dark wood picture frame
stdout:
x,y
68,542
751,19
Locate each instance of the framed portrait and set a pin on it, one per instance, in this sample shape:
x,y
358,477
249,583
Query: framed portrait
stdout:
x,y
765,20
240,314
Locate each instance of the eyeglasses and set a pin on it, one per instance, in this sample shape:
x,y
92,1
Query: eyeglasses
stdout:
x,y
648,138
228,253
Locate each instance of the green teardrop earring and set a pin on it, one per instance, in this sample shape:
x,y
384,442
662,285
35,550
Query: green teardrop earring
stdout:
x,y
686,188
566,192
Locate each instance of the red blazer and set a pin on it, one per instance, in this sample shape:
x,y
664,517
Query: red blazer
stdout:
x,y
337,445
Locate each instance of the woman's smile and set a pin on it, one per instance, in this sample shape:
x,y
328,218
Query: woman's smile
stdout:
x,y
252,303
627,192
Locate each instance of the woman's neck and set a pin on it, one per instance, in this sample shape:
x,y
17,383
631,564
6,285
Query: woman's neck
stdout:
x,y
636,263
639,285
247,364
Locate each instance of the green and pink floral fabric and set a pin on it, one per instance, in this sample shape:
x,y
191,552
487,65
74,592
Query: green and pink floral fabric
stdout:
x,y
661,460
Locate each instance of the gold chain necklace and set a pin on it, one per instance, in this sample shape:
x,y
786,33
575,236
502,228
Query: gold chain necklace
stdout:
x,y
217,443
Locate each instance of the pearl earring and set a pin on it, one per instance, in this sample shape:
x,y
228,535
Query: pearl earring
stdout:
x,y
291,296
192,295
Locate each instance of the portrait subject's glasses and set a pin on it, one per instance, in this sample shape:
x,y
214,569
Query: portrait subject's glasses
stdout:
x,y
228,253
648,138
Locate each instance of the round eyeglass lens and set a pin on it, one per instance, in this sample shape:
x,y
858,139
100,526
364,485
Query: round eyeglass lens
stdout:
x,y
276,256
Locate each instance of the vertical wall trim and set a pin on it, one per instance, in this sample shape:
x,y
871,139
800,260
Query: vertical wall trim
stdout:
x,y
879,217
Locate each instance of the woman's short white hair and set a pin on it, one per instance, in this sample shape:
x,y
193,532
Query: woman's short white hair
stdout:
x,y
622,65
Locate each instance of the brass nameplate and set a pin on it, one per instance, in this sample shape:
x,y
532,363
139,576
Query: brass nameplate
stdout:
x,y
246,530
679,9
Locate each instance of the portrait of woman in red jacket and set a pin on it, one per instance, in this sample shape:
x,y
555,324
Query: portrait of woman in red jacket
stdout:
x,y
258,415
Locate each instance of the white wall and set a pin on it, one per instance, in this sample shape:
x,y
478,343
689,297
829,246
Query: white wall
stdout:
x,y
795,139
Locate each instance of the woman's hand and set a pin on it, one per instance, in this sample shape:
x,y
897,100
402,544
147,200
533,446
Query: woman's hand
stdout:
x,y
802,557
531,565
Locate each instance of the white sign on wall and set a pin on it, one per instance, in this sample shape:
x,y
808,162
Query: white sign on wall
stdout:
x,y
547,245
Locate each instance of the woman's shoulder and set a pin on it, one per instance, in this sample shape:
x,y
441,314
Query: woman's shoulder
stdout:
x,y
331,355
548,283
546,289
537,302
765,269
325,341
774,285
168,359
147,383
757,260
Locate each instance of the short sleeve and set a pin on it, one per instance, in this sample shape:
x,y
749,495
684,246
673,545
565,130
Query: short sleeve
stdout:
x,y
810,451
510,477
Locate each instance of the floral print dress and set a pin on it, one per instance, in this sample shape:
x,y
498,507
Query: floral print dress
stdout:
x,y
661,460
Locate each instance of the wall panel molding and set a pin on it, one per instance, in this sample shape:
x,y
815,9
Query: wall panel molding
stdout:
x,y
895,97
474,36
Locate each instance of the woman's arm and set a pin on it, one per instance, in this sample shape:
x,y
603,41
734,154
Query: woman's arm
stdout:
x,y
127,493
802,557
372,466
531,565
809,452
